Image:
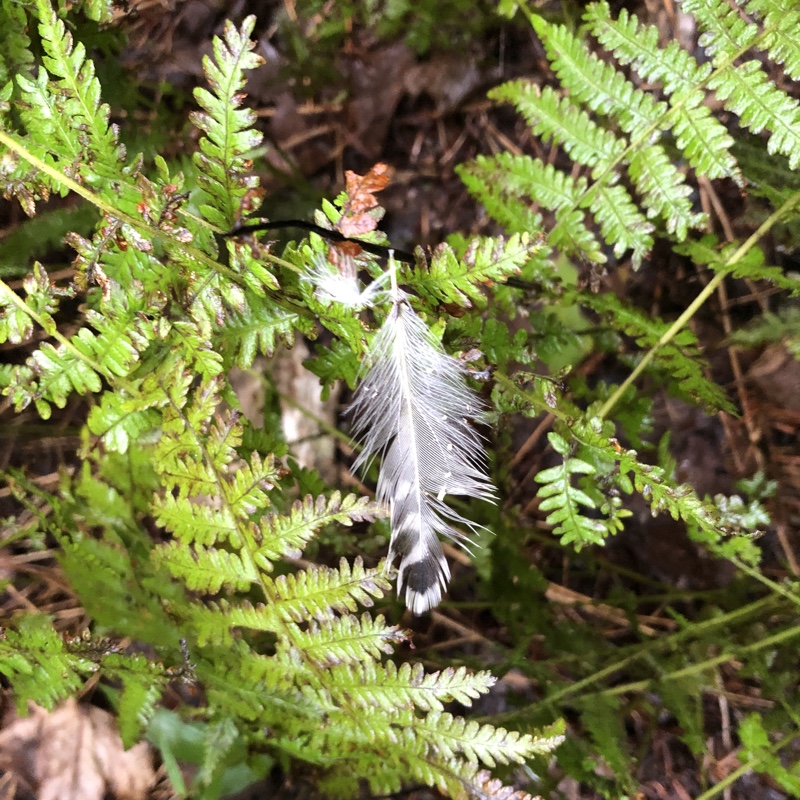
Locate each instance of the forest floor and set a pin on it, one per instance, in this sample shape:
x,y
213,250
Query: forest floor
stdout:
x,y
356,98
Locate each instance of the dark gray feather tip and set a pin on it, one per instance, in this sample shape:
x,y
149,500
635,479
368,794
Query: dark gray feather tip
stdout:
x,y
424,583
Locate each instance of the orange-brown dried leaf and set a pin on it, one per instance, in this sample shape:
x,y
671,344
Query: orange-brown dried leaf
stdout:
x,y
361,188
357,218
357,225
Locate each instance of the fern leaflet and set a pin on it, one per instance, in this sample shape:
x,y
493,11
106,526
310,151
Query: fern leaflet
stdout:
x,y
227,128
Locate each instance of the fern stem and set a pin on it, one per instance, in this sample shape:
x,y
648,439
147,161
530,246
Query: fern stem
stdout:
x,y
697,303
775,587
750,766
693,669
110,211
47,324
667,642
64,180
762,605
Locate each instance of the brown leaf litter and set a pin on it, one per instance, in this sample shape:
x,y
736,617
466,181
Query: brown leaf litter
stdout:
x,y
74,752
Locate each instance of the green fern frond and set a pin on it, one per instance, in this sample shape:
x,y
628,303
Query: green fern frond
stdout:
x,y
387,687
142,680
246,489
484,786
759,749
317,593
559,120
783,326
703,518
514,214
638,45
102,11
387,772
726,32
79,95
106,256
634,122
192,416
218,741
34,658
251,265
565,124
543,183
744,87
224,170
41,302
136,707
704,140
748,92
679,362
460,280
197,349
608,734
206,569
596,83
621,221
402,762
450,736
564,501
239,491
781,19
285,535
260,330
192,522
337,362
41,112
606,91
452,776
52,373
722,257
256,688
212,623
113,592
201,465
347,640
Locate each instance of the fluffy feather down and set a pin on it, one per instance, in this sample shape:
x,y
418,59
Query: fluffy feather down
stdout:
x,y
414,409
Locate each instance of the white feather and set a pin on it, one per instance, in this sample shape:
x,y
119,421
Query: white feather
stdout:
x,y
414,409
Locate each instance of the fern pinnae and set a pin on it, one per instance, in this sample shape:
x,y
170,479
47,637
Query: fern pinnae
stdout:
x,y
414,409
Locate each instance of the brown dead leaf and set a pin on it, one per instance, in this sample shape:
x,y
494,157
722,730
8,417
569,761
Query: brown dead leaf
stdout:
x,y
356,218
75,753
360,188
8,787
777,373
377,82
448,78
